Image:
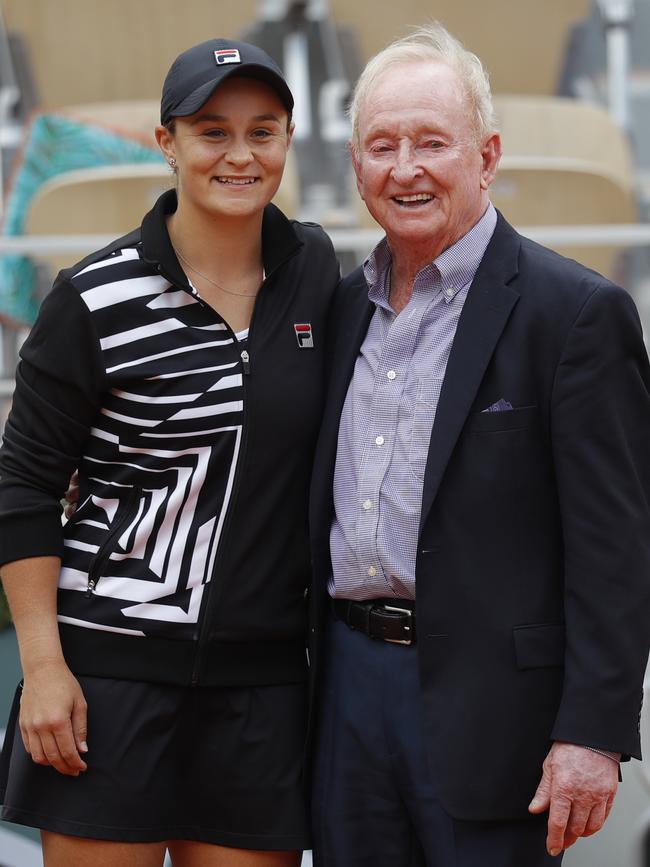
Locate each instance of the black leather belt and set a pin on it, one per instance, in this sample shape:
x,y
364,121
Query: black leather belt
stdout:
x,y
391,620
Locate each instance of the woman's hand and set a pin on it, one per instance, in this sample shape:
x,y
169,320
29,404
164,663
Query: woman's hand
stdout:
x,y
52,707
53,718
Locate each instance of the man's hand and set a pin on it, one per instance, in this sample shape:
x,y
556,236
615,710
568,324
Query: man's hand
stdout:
x,y
578,788
71,497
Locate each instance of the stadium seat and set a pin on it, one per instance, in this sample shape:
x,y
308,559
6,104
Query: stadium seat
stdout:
x,y
108,200
111,200
136,118
564,163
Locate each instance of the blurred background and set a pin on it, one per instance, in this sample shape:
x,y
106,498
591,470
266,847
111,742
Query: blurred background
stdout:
x,y
79,92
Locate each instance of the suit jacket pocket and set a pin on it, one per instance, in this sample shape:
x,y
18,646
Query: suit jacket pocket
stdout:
x,y
511,419
539,645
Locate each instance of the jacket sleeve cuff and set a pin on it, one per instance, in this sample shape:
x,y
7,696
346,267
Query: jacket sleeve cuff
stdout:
x,y
36,535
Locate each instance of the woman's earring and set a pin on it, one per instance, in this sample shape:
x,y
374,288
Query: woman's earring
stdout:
x,y
172,162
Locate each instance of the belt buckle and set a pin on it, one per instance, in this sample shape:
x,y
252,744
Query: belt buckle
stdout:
x,y
409,625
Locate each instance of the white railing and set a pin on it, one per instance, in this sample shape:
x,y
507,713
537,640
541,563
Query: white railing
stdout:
x,y
345,240
618,235
350,240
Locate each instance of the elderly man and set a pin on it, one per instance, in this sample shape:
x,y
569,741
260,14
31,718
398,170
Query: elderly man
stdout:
x,y
480,508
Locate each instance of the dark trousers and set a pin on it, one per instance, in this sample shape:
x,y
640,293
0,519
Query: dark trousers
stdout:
x,y
373,802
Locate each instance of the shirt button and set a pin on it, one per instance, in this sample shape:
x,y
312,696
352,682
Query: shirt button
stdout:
x,y
449,293
372,572
367,504
379,441
391,375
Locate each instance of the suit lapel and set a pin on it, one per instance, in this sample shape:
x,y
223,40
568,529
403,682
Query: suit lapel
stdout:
x,y
485,313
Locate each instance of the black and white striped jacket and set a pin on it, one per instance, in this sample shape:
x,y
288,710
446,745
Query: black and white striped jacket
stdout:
x,y
187,558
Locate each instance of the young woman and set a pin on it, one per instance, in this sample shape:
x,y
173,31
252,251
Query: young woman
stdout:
x,y
162,630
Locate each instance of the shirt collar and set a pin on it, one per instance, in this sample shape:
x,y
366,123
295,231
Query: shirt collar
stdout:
x,y
453,269
279,239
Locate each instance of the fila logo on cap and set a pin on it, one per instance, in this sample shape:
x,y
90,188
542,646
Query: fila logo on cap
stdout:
x,y
304,335
227,55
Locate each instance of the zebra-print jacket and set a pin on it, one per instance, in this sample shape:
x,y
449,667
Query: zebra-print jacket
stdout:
x,y
187,558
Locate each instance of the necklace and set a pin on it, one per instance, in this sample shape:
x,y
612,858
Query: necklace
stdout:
x,y
214,282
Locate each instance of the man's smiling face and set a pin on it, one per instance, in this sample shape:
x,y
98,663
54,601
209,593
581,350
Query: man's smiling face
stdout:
x,y
422,169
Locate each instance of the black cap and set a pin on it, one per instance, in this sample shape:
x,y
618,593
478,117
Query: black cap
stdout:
x,y
196,73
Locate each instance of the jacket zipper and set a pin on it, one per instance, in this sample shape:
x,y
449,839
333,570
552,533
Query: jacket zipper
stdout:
x,y
105,549
202,630
203,626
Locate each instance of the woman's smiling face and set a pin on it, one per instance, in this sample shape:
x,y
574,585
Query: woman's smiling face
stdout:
x,y
230,155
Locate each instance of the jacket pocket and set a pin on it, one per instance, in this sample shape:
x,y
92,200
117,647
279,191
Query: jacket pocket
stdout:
x,y
520,418
539,645
123,518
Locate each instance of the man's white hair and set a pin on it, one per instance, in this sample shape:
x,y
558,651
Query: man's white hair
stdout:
x,y
435,44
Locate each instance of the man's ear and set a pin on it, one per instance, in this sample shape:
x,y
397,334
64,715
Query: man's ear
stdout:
x,y
490,156
356,165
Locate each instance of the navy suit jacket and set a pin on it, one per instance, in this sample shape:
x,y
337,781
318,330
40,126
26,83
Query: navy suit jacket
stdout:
x,y
533,558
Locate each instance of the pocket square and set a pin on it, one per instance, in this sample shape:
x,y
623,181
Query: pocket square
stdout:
x,y
500,406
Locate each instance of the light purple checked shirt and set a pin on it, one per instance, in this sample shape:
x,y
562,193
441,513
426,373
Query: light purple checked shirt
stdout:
x,y
388,416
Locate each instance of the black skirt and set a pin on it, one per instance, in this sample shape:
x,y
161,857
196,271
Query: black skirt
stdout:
x,y
218,765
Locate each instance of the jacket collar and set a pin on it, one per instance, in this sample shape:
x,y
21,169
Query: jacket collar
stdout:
x,y
279,239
